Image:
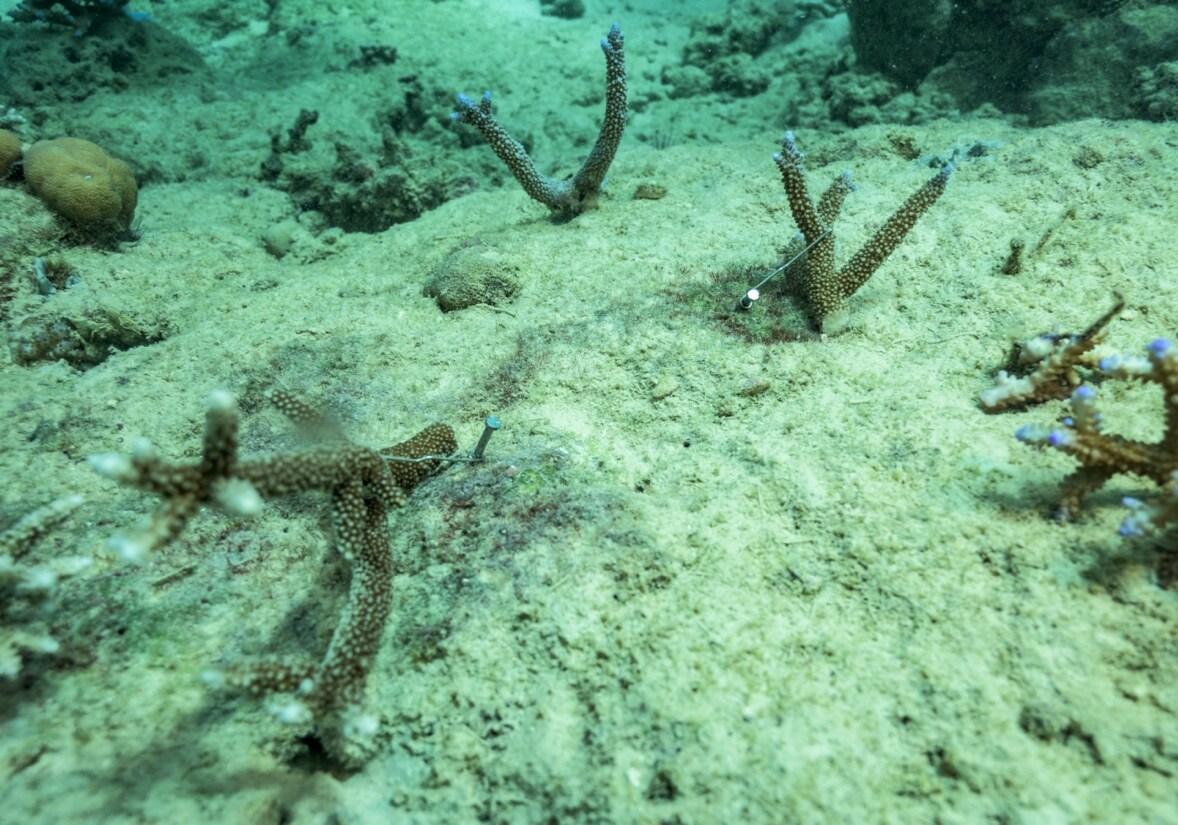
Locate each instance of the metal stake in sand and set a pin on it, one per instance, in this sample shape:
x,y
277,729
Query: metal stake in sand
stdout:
x,y
491,424
753,294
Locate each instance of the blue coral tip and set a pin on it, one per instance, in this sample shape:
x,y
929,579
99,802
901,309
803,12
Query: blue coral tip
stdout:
x,y
1023,433
1159,346
1130,529
1058,438
1084,393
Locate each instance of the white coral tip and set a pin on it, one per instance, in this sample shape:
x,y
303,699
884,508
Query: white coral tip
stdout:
x,y
359,725
240,497
132,549
143,450
213,679
219,401
1006,386
290,713
111,465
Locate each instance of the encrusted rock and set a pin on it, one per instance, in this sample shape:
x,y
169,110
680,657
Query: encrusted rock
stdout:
x,y
47,340
475,275
1155,92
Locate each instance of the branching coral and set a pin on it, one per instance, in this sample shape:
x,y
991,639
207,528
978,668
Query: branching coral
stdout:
x,y
822,287
1051,365
1080,433
363,486
24,583
564,197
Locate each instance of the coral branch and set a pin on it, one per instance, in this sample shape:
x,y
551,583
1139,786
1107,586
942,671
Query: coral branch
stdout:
x,y
822,287
22,583
1101,455
1055,359
564,197
363,486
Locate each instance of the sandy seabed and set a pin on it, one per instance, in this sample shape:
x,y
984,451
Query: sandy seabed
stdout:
x,y
664,597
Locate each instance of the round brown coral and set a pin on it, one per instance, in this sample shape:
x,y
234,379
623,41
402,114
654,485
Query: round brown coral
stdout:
x,y
83,184
9,152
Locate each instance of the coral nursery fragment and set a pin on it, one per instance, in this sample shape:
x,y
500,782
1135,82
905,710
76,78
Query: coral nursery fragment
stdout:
x,y
822,287
1103,455
1050,363
565,198
1080,432
363,486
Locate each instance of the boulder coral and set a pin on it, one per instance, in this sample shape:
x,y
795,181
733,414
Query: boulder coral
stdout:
x,y
9,152
81,182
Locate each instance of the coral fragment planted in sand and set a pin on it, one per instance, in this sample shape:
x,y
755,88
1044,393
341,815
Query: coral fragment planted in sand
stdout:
x,y
362,485
565,198
822,287
1080,432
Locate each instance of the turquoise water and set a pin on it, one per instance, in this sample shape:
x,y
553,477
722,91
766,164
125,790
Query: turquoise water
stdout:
x,y
717,564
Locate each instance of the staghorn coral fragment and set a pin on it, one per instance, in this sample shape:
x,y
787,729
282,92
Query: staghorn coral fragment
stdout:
x,y
823,288
1055,359
1103,455
565,198
20,537
362,485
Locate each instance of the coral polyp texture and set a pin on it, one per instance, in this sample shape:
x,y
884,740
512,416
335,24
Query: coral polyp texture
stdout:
x,y
79,15
94,192
564,197
362,485
823,288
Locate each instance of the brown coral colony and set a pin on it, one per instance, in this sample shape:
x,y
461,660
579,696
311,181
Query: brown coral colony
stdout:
x,y
94,193
9,152
79,181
